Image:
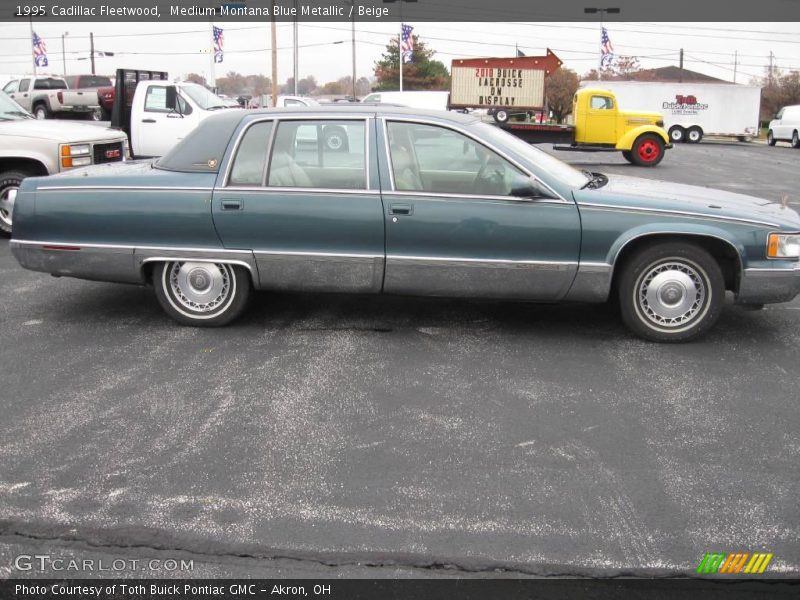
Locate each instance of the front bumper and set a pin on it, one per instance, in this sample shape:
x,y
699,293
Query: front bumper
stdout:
x,y
769,285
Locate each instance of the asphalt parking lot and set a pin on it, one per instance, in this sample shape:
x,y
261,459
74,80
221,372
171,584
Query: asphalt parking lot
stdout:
x,y
360,436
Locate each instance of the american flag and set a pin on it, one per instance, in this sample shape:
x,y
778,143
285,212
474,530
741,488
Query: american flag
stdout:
x,y
606,49
407,45
39,51
219,40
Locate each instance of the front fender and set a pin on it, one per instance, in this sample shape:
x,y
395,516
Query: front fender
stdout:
x,y
626,141
675,229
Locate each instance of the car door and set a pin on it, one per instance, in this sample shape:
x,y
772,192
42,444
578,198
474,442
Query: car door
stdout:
x,y
313,217
462,220
159,128
600,121
22,95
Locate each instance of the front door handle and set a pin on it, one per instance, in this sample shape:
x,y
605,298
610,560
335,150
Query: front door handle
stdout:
x,y
231,204
401,209
148,120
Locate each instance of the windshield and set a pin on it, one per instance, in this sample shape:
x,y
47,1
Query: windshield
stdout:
x,y
10,110
202,97
543,162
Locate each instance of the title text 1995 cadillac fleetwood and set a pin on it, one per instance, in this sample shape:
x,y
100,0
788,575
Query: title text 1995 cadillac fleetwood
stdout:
x,y
404,202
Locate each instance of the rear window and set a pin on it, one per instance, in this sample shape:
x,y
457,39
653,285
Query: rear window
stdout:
x,y
50,84
201,151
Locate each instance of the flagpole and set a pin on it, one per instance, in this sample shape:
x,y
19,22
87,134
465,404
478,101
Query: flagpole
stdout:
x,y
212,83
30,41
400,47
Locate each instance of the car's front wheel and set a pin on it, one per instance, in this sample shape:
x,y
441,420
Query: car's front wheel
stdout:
x,y
9,184
648,150
671,292
203,294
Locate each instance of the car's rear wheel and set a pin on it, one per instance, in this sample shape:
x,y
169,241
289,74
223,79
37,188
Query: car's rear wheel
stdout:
x,y
671,292
203,294
694,135
770,138
795,140
40,111
677,134
648,150
9,184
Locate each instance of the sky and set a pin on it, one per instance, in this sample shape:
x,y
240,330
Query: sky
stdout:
x,y
325,48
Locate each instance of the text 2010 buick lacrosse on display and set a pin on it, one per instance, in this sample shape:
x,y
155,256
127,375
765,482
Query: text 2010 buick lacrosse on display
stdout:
x,y
410,202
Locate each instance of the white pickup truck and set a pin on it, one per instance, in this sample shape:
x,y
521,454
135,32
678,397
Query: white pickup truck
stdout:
x,y
30,147
158,114
46,97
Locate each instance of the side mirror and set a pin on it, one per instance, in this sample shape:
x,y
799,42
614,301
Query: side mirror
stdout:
x,y
530,188
172,99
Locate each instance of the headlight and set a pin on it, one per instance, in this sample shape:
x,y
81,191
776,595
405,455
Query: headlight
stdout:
x,y
783,245
659,123
75,155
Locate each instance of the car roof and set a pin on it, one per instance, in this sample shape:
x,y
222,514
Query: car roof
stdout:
x,y
367,109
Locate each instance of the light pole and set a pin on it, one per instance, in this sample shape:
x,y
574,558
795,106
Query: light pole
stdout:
x,y
63,53
591,10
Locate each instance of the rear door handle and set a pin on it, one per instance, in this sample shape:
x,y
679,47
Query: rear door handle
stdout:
x,y
148,120
401,209
231,204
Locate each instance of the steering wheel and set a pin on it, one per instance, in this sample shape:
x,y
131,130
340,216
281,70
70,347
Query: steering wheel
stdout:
x,y
491,179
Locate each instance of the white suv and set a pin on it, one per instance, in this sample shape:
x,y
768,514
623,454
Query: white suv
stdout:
x,y
785,126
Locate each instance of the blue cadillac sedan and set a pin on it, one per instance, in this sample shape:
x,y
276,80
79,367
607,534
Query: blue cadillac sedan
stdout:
x,y
388,200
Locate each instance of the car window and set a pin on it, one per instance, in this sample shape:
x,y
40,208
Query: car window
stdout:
x,y
49,84
322,154
11,87
71,81
291,102
156,101
602,102
23,85
251,157
95,81
429,158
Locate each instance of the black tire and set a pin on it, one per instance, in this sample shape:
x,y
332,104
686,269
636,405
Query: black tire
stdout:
x,y
770,138
690,278
501,115
648,150
95,115
336,138
9,180
41,111
694,135
795,139
626,154
174,280
677,134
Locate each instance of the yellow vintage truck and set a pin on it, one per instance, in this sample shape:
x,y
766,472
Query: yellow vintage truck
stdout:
x,y
600,125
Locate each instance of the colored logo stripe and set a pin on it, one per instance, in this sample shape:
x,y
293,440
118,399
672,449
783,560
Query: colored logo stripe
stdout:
x,y
734,563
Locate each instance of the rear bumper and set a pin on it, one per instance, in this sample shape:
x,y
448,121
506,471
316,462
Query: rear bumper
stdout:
x,y
765,286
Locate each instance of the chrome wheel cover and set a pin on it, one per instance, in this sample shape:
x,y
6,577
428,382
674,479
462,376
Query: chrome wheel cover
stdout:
x,y
200,287
671,293
8,196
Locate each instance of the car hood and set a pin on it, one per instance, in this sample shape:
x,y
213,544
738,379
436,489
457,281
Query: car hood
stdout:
x,y
59,131
640,193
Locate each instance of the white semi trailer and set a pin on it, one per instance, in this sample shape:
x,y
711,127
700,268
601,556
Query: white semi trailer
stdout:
x,y
693,110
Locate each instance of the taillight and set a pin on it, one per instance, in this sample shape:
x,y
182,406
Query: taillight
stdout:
x,y
60,97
